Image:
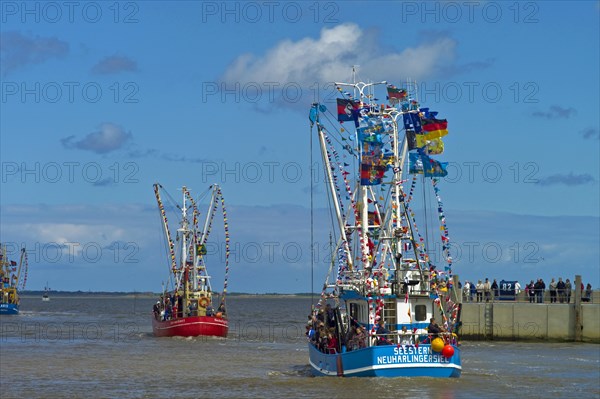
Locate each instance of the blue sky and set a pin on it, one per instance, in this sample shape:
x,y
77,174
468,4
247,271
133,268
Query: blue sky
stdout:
x,y
101,100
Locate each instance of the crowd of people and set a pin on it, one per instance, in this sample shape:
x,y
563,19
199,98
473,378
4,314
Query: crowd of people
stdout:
x,y
559,291
321,331
170,307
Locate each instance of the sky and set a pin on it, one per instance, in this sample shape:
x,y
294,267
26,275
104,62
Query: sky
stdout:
x,y
99,100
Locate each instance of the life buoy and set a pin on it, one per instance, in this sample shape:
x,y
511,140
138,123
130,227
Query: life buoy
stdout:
x,y
203,302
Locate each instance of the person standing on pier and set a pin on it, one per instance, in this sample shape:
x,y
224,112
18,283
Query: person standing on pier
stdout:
x,y
552,291
479,288
568,289
487,290
560,290
466,291
531,291
539,290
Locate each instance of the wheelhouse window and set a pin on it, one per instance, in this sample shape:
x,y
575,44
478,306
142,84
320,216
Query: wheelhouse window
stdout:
x,y
420,312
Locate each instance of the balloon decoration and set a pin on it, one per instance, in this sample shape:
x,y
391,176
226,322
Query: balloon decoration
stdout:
x,y
448,351
437,345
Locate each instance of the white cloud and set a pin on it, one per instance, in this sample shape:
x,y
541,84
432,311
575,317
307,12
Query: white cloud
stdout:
x,y
114,64
330,58
110,137
19,50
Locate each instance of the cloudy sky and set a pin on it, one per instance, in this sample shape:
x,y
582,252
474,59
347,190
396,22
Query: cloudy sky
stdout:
x,y
101,100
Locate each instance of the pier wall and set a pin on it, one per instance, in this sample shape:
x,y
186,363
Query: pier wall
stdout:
x,y
529,321
518,319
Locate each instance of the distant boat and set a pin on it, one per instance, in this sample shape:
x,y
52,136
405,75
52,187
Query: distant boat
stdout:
x,y
11,281
45,296
190,308
374,315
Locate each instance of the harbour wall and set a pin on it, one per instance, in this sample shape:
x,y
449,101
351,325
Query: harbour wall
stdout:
x,y
577,321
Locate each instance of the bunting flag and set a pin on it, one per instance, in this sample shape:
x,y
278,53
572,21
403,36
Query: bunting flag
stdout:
x,y
371,175
433,168
395,94
435,128
415,163
373,163
411,140
435,147
412,121
428,114
347,110
373,218
227,240
371,133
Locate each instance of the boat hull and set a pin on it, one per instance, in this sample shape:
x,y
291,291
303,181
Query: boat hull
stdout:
x,y
193,326
9,308
386,361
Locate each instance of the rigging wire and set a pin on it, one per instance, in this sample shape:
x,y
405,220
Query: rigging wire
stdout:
x,y
312,230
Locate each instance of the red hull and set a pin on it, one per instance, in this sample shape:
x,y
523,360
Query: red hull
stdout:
x,y
191,327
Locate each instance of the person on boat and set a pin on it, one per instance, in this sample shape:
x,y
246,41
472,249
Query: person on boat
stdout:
x,y
360,337
193,308
382,333
209,310
332,342
433,329
168,311
309,325
406,337
323,338
156,310
329,316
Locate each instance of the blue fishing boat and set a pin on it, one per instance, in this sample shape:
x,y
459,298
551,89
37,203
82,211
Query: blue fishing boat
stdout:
x,y
11,281
386,310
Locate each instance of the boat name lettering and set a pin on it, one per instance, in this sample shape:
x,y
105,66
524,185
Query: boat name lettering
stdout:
x,y
410,350
414,358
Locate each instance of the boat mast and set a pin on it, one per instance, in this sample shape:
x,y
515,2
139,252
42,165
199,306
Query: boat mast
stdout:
x,y
163,218
399,157
363,204
184,233
334,195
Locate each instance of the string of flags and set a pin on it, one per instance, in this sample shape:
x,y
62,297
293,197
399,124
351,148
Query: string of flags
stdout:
x,y
26,270
227,239
163,214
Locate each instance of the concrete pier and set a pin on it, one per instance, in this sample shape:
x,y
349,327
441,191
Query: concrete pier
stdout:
x,y
521,320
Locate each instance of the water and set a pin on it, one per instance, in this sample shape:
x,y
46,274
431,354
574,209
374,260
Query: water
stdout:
x,y
82,347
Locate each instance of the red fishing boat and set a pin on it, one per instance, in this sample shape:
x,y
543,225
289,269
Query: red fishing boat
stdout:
x,y
191,308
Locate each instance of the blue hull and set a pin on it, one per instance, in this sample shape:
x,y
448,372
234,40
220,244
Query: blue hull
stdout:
x,y
386,361
9,308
